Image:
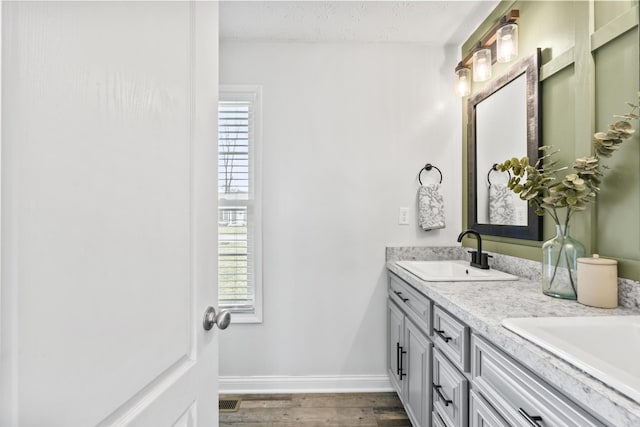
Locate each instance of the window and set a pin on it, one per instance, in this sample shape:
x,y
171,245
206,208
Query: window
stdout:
x,y
239,216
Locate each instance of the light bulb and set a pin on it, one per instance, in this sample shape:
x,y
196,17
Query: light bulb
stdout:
x,y
507,42
481,65
462,83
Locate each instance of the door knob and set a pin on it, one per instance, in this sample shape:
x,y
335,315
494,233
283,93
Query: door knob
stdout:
x,y
222,319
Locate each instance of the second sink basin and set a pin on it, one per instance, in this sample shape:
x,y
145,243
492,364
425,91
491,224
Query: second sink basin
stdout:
x,y
606,347
452,271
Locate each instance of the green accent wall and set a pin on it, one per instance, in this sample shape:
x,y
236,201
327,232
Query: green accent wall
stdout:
x,y
590,69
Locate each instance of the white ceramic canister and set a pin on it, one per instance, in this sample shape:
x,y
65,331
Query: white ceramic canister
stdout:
x,y
598,282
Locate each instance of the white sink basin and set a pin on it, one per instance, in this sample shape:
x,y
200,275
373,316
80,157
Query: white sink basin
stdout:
x,y
452,271
607,348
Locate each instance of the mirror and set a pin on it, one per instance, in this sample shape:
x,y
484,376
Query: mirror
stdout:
x,y
503,122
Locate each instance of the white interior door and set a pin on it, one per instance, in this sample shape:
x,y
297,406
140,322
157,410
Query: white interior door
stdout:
x,y
108,213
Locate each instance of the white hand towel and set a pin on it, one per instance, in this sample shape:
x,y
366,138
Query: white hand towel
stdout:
x,y
430,207
505,207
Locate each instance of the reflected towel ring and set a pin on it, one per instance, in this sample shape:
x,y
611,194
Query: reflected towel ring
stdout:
x,y
427,168
494,168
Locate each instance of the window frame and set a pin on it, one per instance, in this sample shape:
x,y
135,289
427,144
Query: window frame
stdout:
x,y
253,94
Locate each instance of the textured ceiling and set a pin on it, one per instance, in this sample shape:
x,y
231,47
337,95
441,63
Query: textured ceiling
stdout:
x,y
428,22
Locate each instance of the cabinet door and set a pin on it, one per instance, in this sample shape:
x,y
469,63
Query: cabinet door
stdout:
x,y
417,383
395,326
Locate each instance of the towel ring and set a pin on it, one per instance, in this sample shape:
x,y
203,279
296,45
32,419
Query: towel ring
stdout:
x,y
494,168
427,168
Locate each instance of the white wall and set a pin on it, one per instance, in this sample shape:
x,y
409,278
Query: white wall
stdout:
x,y
346,128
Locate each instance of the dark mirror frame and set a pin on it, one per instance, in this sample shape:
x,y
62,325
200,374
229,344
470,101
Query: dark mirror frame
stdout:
x,y
531,67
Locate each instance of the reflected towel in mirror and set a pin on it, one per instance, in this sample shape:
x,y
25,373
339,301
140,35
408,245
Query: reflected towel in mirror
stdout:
x,y
505,207
430,207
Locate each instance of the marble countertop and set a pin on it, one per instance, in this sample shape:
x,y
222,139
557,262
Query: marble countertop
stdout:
x,y
483,306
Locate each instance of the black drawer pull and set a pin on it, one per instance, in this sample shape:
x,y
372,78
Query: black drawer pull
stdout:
x,y
532,420
442,397
442,335
400,296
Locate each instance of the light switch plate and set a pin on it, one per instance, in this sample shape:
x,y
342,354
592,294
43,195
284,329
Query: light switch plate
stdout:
x,y
403,216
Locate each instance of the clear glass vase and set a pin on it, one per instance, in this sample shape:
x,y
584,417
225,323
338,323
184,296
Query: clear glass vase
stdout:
x,y
559,264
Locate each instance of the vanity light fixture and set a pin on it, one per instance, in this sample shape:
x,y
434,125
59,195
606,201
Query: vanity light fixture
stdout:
x,y
507,41
500,42
463,80
481,64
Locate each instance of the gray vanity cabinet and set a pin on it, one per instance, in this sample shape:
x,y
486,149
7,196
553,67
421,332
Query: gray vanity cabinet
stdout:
x,y
410,350
454,377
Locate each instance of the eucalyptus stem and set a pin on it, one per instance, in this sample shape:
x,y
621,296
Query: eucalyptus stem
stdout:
x,y
554,215
555,265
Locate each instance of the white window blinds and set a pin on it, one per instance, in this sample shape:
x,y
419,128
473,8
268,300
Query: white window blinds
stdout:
x,y
238,213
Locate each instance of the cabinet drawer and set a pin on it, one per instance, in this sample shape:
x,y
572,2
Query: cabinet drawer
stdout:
x,y
517,394
452,337
481,414
436,420
418,306
450,392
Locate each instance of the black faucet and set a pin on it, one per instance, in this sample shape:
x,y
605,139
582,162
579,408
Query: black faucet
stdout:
x,y
478,258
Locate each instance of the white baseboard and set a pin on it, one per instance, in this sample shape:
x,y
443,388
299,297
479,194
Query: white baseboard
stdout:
x,y
306,384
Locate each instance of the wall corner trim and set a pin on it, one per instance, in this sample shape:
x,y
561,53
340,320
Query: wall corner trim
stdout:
x,y
304,384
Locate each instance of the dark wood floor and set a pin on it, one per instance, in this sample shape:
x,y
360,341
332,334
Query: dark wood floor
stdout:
x,y
322,410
